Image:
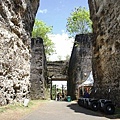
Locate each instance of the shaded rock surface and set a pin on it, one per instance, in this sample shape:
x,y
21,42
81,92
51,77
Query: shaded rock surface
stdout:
x,y
16,22
38,71
80,64
106,48
57,70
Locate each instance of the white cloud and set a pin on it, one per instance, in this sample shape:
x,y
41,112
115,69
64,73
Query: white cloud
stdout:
x,y
43,11
63,45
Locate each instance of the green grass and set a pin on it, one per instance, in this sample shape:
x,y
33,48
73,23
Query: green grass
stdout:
x,y
18,106
2,109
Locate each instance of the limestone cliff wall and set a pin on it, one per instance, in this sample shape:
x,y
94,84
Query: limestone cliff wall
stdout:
x,y
80,64
16,22
38,74
105,15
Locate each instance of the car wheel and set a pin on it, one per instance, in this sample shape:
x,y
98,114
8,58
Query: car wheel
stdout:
x,y
109,108
94,106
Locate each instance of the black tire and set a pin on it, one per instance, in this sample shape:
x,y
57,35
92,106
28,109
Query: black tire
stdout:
x,y
109,108
94,106
79,102
82,103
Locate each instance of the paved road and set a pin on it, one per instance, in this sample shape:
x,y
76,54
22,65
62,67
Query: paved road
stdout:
x,y
59,110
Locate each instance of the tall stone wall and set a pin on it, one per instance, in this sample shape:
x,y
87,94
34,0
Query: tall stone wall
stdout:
x,y
80,64
16,22
38,71
105,15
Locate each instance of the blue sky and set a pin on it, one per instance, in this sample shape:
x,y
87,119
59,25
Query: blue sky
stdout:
x,y
55,12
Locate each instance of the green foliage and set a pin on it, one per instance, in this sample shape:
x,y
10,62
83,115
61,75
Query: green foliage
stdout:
x,y
40,29
53,91
67,57
79,22
59,58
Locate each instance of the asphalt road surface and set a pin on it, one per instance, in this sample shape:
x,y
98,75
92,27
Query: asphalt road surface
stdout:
x,y
59,110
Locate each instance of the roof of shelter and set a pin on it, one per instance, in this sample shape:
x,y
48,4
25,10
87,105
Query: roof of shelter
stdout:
x,y
89,81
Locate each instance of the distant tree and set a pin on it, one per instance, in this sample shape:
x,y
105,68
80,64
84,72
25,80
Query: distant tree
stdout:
x,y
79,22
67,57
40,29
59,57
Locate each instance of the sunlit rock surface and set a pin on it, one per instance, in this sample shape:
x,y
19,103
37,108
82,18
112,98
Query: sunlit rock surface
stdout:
x,y
16,22
106,48
80,64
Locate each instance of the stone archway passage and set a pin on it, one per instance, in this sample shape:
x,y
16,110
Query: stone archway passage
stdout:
x,y
51,86
57,71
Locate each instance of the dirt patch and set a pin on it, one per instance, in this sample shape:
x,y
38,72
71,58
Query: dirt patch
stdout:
x,y
16,111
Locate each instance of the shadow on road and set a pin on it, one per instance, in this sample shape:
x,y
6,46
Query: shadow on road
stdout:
x,y
79,109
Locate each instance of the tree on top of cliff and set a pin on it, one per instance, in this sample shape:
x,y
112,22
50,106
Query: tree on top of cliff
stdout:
x,y
79,22
40,29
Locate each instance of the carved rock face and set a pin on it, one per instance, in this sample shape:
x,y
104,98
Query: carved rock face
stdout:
x,y
80,64
106,48
16,22
38,74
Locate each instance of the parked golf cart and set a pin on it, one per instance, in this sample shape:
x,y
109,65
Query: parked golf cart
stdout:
x,y
103,105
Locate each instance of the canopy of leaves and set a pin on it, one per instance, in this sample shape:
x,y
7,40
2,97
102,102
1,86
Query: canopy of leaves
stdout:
x,y
40,29
79,22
